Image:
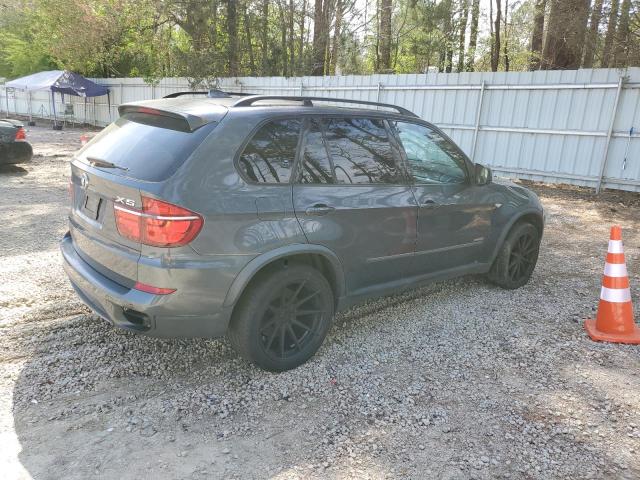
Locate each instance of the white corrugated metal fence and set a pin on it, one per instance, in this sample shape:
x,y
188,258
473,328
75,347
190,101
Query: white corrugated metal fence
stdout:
x,y
576,126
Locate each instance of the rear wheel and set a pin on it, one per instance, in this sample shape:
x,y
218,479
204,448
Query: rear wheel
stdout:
x,y
15,152
283,318
517,258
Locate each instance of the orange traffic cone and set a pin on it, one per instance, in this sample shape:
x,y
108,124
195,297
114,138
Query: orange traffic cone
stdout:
x,y
84,138
614,322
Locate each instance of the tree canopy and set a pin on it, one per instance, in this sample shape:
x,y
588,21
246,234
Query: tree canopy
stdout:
x,y
208,39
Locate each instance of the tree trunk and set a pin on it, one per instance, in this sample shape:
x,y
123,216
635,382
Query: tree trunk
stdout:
x,y
292,45
592,35
448,34
610,36
506,35
386,7
622,36
464,15
283,41
247,33
303,16
495,51
232,32
264,39
536,36
337,31
473,34
566,32
319,45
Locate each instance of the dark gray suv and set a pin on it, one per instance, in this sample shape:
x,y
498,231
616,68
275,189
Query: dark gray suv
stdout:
x,y
259,216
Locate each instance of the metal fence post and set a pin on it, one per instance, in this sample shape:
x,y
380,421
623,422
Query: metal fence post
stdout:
x,y
301,87
614,113
477,125
378,94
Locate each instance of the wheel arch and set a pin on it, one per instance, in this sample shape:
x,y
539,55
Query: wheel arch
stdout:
x,y
532,216
316,255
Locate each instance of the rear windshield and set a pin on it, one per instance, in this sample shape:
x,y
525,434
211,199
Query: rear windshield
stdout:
x,y
142,151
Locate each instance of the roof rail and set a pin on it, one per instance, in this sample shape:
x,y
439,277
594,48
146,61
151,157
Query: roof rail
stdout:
x,y
213,93
308,101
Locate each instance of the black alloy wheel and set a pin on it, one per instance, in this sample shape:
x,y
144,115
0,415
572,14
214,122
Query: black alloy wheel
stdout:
x,y
517,258
292,319
524,254
283,317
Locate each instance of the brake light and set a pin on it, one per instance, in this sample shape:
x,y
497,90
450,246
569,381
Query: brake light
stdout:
x,y
21,135
158,224
149,111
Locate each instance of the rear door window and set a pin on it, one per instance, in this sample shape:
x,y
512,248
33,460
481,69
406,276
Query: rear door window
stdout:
x,y
271,152
361,151
142,151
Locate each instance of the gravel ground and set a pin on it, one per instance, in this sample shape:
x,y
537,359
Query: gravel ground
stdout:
x,y
457,380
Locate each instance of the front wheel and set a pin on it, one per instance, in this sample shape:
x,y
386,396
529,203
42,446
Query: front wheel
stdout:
x,y
517,258
283,318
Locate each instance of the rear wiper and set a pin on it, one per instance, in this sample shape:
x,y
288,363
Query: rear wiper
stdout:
x,y
98,162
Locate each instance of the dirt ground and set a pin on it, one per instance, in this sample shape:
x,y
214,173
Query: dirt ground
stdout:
x,y
456,380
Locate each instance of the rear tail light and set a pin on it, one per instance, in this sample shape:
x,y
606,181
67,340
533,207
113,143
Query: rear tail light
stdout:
x,y
21,135
159,224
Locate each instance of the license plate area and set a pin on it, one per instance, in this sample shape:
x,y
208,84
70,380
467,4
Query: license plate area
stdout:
x,y
91,206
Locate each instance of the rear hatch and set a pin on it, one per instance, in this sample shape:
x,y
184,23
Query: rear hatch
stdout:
x,y
133,155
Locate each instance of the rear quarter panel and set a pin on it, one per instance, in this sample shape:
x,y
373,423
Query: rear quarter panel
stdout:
x,y
240,218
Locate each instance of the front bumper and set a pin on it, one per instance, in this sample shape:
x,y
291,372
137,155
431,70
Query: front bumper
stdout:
x,y
135,310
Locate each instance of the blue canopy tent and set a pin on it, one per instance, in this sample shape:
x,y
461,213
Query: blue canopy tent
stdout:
x,y
63,82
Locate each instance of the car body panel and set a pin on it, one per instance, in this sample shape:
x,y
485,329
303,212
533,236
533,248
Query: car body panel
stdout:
x,y
372,228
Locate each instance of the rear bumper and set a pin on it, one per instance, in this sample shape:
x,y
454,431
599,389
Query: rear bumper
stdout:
x,y
141,312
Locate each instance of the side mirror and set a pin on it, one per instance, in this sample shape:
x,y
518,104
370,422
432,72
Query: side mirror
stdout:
x,y
483,175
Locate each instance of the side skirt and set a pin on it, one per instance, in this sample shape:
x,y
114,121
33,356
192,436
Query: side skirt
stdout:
x,y
409,283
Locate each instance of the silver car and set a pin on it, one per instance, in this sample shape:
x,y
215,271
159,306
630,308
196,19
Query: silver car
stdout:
x,y
259,217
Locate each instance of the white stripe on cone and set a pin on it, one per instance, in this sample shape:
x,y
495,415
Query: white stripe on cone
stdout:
x,y
615,269
615,295
615,246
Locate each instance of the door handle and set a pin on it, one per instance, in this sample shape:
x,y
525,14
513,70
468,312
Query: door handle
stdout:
x,y
319,209
428,203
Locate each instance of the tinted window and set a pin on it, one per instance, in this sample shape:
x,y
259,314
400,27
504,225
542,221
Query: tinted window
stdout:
x,y
269,156
316,167
145,152
360,151
431,157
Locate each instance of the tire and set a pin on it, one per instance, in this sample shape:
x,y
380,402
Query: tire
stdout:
x,y
282,318
517,257
15,152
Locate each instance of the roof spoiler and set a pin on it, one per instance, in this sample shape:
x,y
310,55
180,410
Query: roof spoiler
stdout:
x,y
189,121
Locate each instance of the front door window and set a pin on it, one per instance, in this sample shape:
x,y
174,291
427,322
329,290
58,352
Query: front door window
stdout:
x,y
431,158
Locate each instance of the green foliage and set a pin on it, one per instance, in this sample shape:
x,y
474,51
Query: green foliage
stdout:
x,y
19,54
204,40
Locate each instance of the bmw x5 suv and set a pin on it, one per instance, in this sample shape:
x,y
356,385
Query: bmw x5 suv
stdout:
x,y
258,217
